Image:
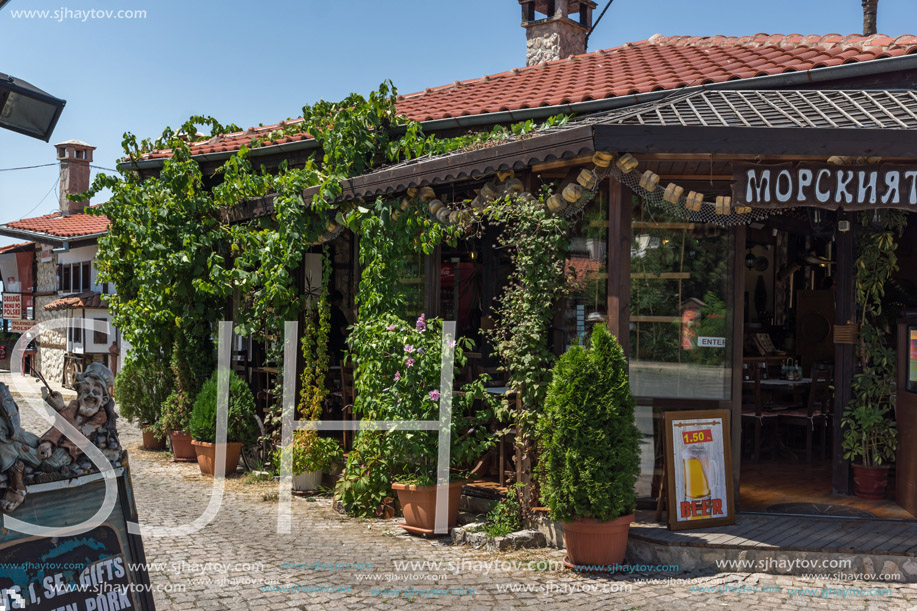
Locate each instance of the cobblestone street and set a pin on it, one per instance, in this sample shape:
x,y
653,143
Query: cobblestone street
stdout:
x,y
330,561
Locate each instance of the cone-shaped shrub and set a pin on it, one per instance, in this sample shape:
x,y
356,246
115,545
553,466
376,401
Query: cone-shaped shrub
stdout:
x,y
590,444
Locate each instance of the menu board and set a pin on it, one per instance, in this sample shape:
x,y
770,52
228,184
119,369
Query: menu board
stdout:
x,y
699,469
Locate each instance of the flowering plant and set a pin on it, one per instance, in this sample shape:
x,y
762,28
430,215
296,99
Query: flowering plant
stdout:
x,y
398,378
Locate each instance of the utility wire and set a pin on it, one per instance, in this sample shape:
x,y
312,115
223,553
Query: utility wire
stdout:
x,y
27,167
51,190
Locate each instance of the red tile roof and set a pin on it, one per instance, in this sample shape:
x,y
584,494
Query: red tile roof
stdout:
x,y
18,247
89,299
62,226
660,63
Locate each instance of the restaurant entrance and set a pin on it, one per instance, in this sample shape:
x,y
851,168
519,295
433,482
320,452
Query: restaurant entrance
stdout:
x,y
788,366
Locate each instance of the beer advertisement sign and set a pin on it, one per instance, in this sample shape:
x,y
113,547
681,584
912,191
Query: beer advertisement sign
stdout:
x,y
699,469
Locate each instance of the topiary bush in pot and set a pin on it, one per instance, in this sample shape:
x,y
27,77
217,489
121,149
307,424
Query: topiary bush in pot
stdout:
x,y
242,429
141,389
590,451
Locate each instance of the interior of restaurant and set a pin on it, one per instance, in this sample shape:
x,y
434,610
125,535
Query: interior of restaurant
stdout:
x,y
788,365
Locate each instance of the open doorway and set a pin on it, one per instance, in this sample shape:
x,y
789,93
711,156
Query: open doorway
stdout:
x,y
788,370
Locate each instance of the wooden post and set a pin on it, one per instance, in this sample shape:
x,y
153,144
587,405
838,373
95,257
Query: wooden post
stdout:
x,y
844,354
737,273
620,214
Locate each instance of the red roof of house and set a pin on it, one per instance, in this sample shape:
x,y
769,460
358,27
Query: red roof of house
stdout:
x,y
660,63
89,299
18,247
62,225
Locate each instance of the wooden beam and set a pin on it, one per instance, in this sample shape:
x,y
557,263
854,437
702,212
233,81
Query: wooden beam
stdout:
x,y
661,276
563,163
844,354
697,177
737,273
652,225
640,139
648,318
620,214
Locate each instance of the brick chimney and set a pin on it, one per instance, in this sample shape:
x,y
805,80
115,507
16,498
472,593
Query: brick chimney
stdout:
x,y
74,157
555,29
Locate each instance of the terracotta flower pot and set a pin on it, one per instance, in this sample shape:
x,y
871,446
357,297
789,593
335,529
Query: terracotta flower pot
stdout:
x,y
206,456
419,506
307,481
870,482
596,544
181,447
151,442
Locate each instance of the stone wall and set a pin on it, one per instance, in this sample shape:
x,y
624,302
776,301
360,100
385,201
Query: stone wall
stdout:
x,y
553,40
52,345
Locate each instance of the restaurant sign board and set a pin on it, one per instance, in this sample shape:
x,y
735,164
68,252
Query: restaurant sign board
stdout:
x,y
861,187
12,305
699,469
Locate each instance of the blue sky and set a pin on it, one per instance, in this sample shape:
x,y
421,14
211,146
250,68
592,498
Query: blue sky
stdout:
x,y
260,62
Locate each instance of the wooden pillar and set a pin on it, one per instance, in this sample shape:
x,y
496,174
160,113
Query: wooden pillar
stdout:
x,y
844,354
737,273
620,212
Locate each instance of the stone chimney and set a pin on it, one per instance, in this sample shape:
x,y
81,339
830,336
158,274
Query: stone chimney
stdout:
x,y
74,157
555,29
870,12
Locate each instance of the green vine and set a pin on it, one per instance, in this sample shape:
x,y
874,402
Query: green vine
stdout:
x,y
869,428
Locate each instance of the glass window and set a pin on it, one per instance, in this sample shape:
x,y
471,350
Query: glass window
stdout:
x,y
681,315
587,301
412,281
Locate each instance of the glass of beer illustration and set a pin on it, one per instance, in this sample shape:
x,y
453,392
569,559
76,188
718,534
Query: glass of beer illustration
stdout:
x,y
699,472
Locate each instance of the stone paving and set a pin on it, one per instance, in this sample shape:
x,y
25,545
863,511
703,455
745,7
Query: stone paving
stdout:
x,y
331,561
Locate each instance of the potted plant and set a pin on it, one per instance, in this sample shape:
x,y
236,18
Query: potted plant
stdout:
x,y
870,437
398,378
312,455
191,361
141,389
590,451
241,430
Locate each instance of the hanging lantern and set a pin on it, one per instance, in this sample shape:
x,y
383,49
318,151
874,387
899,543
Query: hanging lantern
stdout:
x,y
405,203
504,175
428,193
587,179
723,204
603,159
477,202
489,191
626,163
673,193
442,215
649,180
435,206
412,192
572,192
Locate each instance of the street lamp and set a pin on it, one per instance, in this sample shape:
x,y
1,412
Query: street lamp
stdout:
x,y
27,109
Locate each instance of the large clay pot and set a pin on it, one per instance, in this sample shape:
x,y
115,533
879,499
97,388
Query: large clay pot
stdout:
x,y
870,482
151,442
206,456
591,543
419,506
182,451
307,481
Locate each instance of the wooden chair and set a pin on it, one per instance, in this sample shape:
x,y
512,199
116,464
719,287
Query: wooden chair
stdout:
x,y
754,414
815,410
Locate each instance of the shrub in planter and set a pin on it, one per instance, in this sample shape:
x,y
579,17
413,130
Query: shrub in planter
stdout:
x,y
870,437
241,430
398,378
141,389
311,455
590,451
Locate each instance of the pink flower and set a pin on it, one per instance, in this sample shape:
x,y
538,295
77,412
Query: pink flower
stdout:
x,y
409,348
390,328
420,351
434,395
421,323
409,362
451,343
397,375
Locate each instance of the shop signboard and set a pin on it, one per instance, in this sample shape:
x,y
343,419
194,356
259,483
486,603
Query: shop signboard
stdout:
x,y
860,187
103,568
12,305
21,326
699,469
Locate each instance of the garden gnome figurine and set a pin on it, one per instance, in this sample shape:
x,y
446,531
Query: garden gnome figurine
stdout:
x,y
18,449
92,412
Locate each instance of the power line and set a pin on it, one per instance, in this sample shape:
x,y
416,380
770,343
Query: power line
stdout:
x,y
98,167
51,190
27,167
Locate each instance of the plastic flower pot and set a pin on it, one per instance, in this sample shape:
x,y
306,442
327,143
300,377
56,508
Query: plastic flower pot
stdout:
x,y
182,450
206,456
418,503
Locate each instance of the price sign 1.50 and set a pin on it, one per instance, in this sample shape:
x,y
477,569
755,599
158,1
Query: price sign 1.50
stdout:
x,y
697,436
